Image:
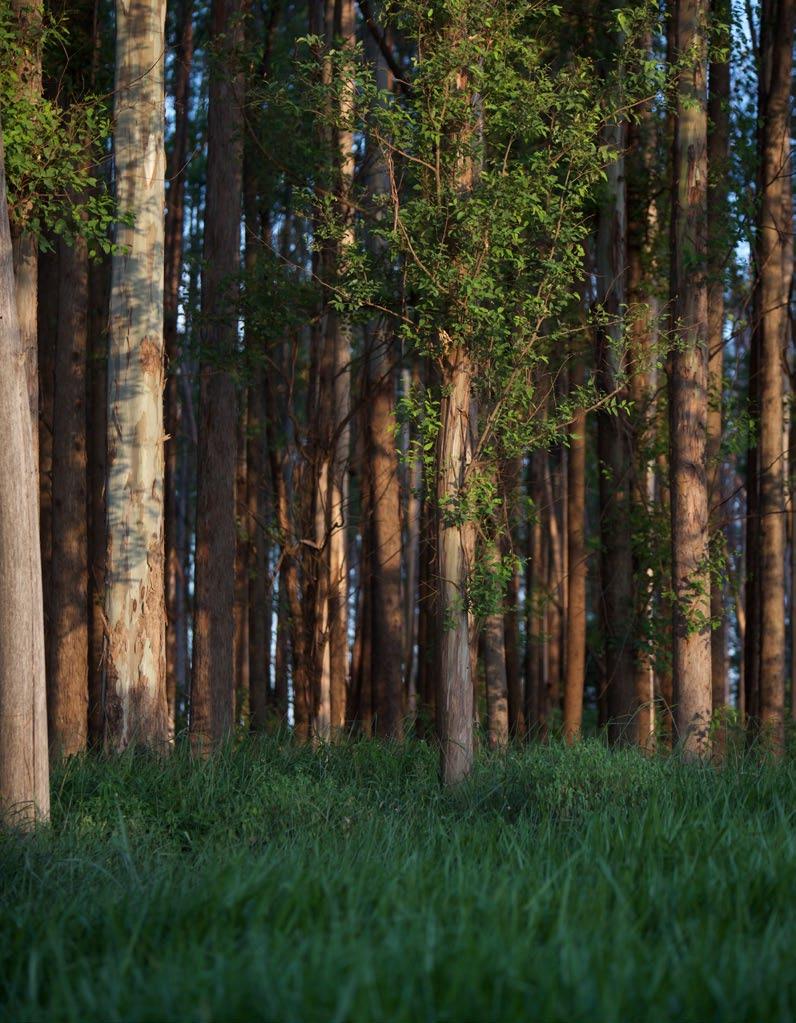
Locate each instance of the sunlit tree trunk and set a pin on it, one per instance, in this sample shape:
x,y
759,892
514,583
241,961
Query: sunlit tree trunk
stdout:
x,y
24,769
688,383
455,553
135,663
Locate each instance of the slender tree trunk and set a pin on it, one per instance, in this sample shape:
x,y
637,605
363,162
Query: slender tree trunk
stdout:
x,y
688,395
385,511
411,593
136,709
24,772
240,638
774,260
67,689
497,705
97,426
576,580
718,246
47,331
175,215
615,457
213,675
533,618
510,481
456,552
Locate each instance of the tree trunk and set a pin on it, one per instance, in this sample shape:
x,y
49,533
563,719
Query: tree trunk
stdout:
x,y
615,458
136,709
576,580
497,706
24,772
718,247
213,675
510,481
67,689
455,553
97,426
774,261
688,395
175,215
385,512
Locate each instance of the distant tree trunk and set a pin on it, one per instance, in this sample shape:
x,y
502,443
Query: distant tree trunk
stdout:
x,y
493,652
688,395
576,581
642,330
289,575
427,618
243,548
414,501
510,481
534,581
175,215
24,769
718,246
136,709
213,675
774,261
47,331
615,457
97,427
67,686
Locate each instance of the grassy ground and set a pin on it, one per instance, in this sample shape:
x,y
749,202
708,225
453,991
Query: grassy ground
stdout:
x,y
275,883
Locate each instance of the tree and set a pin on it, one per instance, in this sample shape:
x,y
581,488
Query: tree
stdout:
x,y
213,675
24,769
135,667
718,245
688,391
67,690
775,268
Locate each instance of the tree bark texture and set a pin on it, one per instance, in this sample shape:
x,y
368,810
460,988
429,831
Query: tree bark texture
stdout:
x,y
135,657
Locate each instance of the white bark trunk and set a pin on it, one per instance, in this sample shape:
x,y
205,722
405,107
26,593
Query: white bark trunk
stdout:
x,y
135,679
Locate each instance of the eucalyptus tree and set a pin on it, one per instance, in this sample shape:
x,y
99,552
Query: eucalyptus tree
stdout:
x,y
135,656
688,383
491,153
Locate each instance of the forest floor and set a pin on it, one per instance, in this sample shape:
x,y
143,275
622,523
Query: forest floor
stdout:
x,y
277,883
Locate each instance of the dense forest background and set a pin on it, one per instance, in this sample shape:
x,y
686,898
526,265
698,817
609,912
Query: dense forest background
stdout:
x,y
409,370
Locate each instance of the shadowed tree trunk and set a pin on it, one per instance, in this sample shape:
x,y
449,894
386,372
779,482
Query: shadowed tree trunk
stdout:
x,y
67,685
175,215
213,675
136,709
24,769
718,246
614,455
774,261
688,395
576,580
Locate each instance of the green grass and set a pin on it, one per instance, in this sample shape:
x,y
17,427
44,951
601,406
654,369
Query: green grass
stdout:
x,y
274,883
